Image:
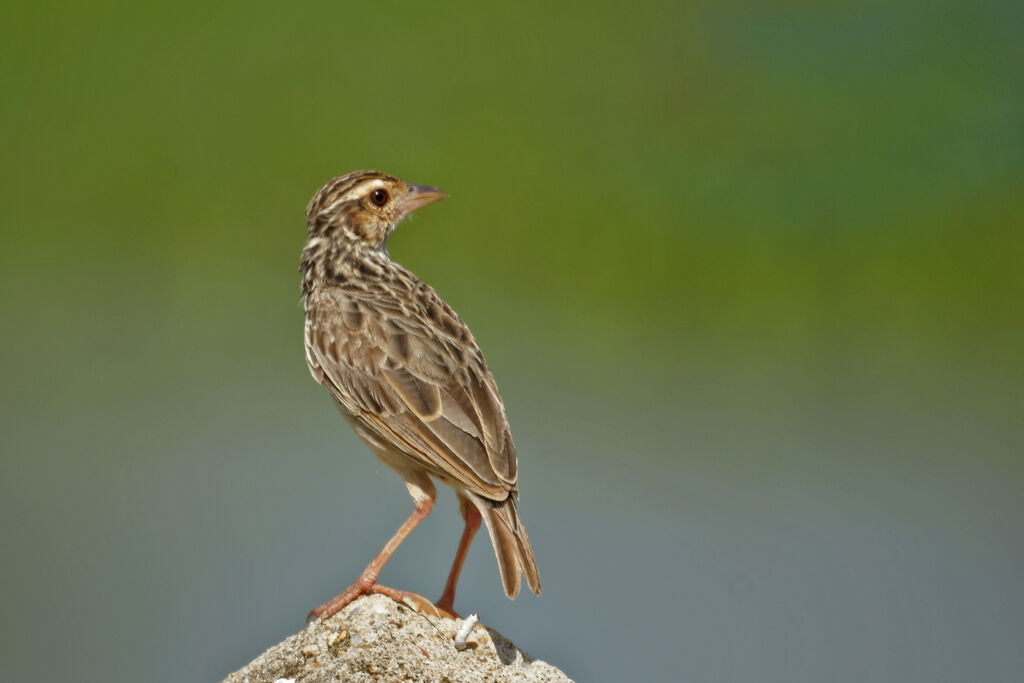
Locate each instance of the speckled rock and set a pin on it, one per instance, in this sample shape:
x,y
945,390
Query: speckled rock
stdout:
x,y
375,639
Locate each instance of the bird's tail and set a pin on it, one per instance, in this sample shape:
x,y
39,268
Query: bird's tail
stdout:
x,y
511,544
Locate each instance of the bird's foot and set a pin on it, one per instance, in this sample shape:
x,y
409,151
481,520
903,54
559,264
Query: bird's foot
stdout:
x,y
415,601
444,605
368,584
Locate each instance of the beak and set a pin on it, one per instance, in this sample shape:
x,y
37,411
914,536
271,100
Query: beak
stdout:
x,y
419,196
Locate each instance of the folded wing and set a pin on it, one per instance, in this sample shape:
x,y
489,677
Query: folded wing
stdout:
x,y
417,380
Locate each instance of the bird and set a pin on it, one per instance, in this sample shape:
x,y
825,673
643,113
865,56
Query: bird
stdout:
x,y
407,374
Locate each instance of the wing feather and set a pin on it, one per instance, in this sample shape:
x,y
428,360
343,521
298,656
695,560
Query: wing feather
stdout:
x,y
418,385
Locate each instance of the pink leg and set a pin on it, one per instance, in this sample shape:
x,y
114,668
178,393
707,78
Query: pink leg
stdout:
x,y
367,581
473,519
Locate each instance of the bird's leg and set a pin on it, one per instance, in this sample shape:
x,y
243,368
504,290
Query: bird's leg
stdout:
x,y
473,519
367,581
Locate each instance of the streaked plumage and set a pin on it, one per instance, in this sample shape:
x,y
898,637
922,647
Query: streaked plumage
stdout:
x,y
406,372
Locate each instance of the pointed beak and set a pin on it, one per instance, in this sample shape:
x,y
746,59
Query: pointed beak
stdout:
x,y
419,196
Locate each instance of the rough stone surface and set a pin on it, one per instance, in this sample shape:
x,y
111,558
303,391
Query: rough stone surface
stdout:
x,y
376,639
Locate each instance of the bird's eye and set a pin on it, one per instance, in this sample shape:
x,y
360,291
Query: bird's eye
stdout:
x,y
379,197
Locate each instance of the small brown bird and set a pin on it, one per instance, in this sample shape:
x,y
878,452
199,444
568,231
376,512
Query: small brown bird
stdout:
x,y
408,376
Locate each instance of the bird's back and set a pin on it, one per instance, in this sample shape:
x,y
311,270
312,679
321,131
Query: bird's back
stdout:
x,y
406,368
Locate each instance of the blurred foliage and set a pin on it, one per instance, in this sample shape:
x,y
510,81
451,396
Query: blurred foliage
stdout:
x,y
776,175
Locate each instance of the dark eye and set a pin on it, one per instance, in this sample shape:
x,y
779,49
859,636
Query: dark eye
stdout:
x,y
379,197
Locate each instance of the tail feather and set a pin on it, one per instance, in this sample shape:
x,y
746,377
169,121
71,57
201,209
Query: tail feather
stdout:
x,y
511,544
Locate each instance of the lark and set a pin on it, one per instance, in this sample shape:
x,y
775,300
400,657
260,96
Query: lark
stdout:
x,y
408,376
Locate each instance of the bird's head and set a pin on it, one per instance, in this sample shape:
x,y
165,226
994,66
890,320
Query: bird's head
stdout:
x,y
365,207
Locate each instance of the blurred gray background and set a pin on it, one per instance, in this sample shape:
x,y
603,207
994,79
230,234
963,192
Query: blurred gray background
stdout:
x,y
748,275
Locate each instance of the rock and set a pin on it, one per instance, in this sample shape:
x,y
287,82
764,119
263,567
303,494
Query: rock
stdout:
x,y
376,639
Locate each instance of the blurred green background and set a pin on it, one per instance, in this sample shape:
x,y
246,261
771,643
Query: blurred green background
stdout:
x,y
749,275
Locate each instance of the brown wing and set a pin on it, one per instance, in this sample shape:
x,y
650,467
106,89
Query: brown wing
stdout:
x,y
411,373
